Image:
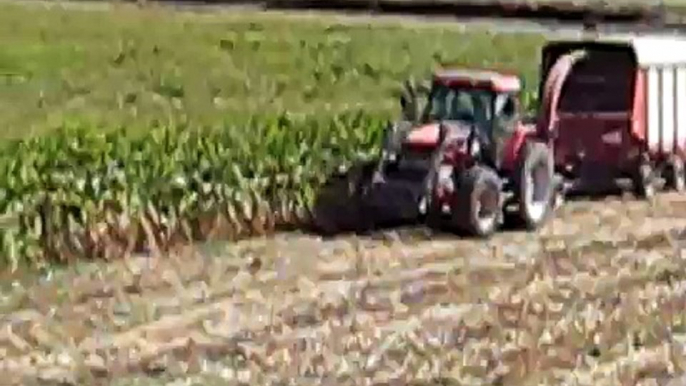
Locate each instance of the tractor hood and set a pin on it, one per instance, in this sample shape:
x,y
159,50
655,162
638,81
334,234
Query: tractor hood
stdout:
x,y
427,135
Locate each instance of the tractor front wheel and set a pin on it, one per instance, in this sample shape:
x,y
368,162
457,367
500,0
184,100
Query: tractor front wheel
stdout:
x,y
535,185
476,207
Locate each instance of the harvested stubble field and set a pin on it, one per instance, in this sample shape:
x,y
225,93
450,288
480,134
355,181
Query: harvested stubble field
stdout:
x,y
596,299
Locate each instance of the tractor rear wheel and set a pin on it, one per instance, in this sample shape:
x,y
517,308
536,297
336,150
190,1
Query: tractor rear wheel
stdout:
x,y
535,185
476,206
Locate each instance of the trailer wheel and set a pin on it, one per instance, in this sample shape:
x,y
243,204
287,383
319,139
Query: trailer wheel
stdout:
x,y
535,185
644,181
476,207
676,175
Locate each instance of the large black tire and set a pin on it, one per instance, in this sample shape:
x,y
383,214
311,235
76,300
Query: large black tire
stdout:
x,y
675,176
339,206
476,208
535,185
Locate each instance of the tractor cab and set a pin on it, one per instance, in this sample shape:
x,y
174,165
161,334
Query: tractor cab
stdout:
x,y
481,105
474,95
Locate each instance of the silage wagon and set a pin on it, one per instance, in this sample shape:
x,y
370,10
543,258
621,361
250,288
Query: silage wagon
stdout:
x,y
619,112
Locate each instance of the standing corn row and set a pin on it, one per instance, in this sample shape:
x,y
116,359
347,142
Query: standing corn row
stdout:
x,y
81,192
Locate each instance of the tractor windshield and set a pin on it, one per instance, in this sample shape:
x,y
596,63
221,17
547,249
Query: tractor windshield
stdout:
x,y
458,104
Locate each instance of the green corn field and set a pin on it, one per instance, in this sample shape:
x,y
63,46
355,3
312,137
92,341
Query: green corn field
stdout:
x,y
120,152
78,192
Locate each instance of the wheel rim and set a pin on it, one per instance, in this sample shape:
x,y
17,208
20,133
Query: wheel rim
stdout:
x,y
537,198
487,208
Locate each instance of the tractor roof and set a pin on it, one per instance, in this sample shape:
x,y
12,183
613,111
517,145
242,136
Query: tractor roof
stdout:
x,y
479,78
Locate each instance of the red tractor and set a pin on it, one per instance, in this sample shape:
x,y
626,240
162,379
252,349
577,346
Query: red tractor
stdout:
x,y
468,156
463,160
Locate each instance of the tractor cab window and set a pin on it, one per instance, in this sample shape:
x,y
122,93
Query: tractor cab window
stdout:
x,y
459,104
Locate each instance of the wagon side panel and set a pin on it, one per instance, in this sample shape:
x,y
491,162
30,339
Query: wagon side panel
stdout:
x,y
654,116
680,110
666,121
668,108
